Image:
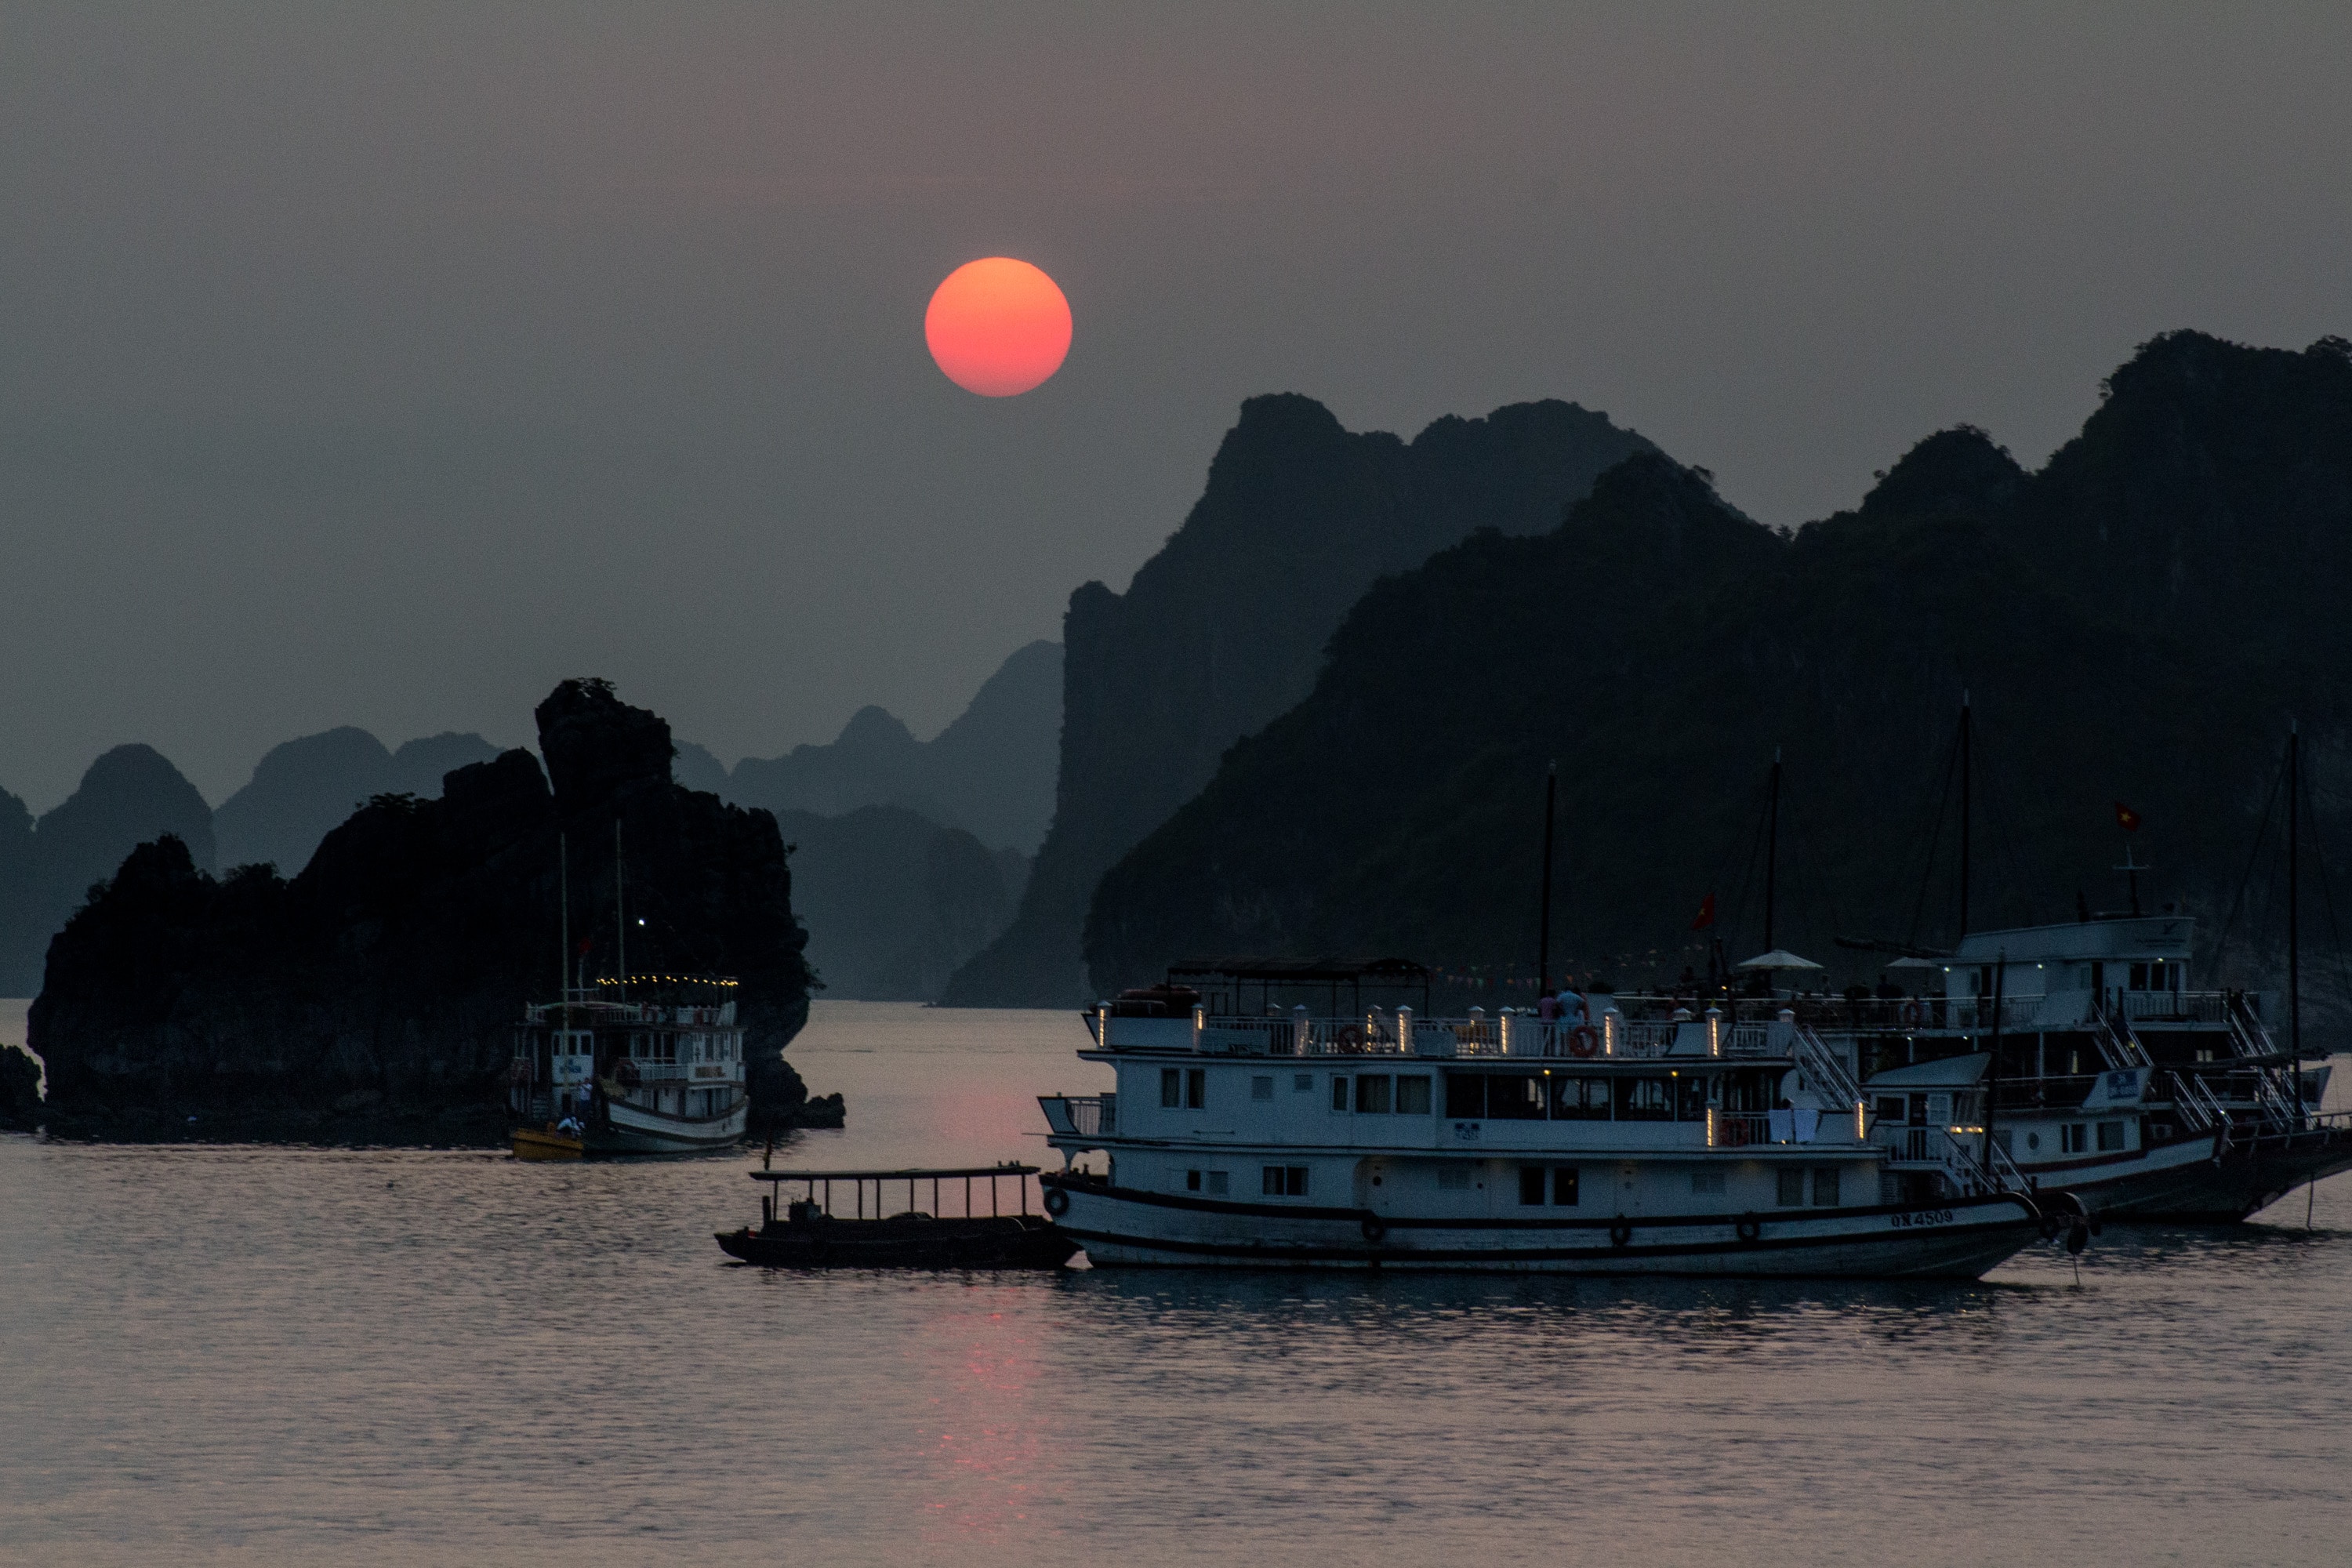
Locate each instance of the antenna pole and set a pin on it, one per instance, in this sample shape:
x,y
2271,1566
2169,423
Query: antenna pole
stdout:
x,y
2294,928
563,895
1771,850
1964,813
620,910
1543,936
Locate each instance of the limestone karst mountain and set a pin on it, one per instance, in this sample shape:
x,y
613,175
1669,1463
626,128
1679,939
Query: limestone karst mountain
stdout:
x,y
129,795
2138,620
371,996
1224,628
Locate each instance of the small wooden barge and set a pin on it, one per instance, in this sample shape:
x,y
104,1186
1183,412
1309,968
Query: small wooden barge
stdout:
x,y
811,1233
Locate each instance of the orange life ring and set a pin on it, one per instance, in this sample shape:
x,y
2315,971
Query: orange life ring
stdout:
x,y
1914,1014
1583,1041
1350,1037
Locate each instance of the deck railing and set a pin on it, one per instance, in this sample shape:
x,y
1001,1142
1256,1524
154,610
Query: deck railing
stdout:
x,y
1081,1115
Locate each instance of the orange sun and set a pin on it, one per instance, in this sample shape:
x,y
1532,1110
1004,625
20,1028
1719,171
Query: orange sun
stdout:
x,y
998,327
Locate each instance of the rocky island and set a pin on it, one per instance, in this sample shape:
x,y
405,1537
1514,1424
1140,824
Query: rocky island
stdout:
x,y
370,998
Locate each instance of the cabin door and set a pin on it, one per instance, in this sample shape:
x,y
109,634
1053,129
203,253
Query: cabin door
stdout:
x,y
1372,1178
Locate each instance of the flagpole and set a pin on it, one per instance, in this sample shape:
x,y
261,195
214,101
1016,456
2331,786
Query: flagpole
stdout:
x,y
2294,928
1771,849
1964,813
1543,934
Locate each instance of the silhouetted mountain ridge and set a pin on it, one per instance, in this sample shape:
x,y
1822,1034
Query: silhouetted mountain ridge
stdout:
x,y
2135,621
371,997
1224,627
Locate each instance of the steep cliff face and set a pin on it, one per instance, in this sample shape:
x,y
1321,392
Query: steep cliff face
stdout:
x,y
2107,614
129,795
371,997
1226,627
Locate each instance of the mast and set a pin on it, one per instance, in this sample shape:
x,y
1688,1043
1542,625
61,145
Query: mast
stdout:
x,y
1964,813
620,911
564,958
1771,849
1543,937
2294,928
1992,1069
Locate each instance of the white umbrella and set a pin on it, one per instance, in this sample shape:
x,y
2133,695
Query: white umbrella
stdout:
x,y
1779,958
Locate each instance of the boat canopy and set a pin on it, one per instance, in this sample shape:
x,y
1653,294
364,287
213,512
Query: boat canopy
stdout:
x,y
1779,958
1948,1072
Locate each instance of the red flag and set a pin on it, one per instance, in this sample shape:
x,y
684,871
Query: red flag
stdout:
x,y
2126,818
1705,913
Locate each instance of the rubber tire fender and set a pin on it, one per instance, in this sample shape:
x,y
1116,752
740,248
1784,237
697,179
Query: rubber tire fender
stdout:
x,y
1057,1202
1375,1230
1621,1232
1750,1228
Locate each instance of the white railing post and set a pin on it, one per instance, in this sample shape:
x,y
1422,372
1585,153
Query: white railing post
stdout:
x,y
1298,1029
1715,1031
1612,1029
1405,1031
1503,1031
1200,1025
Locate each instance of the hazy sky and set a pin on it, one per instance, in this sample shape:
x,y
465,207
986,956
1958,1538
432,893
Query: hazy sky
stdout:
x,y
384,364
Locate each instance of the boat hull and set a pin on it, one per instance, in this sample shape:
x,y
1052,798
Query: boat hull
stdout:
x,y
2248,1177
907,1241
1957,1239
626,1129
546,1143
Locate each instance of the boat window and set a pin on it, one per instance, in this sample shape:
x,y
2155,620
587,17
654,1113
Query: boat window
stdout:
x,y
1372,1091
1531,1185
1643,1099
2070,1138
1792,1189
1285,1181
1191,1181
1515,1096
2111,1136
1579,1099
1563,1186
1466,1095
1707,1180
1220,1184
1412,1094
1171,1089
1338,1091
1196,1088
1890,1108
1262,1086
1452,1178
1825,1186
1302,1083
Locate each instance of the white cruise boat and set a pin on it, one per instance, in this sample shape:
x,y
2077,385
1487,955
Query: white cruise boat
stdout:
x,y
659,1074
1372,1138
2117,1080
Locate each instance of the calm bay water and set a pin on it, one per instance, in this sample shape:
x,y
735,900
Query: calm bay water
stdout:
x,y
231,1355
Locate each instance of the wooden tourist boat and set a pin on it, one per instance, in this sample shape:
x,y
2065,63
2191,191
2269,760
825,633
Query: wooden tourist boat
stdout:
x,y
1377,1139
810,1232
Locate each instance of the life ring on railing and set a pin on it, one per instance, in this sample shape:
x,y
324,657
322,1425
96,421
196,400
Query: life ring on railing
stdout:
x,y
1912,1014
1350,1037
1583,1040
1375,1230
1620,1231
1057,1202
1750,1228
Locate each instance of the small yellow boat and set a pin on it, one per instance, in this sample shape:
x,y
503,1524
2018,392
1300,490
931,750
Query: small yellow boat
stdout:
x,y
547,1144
